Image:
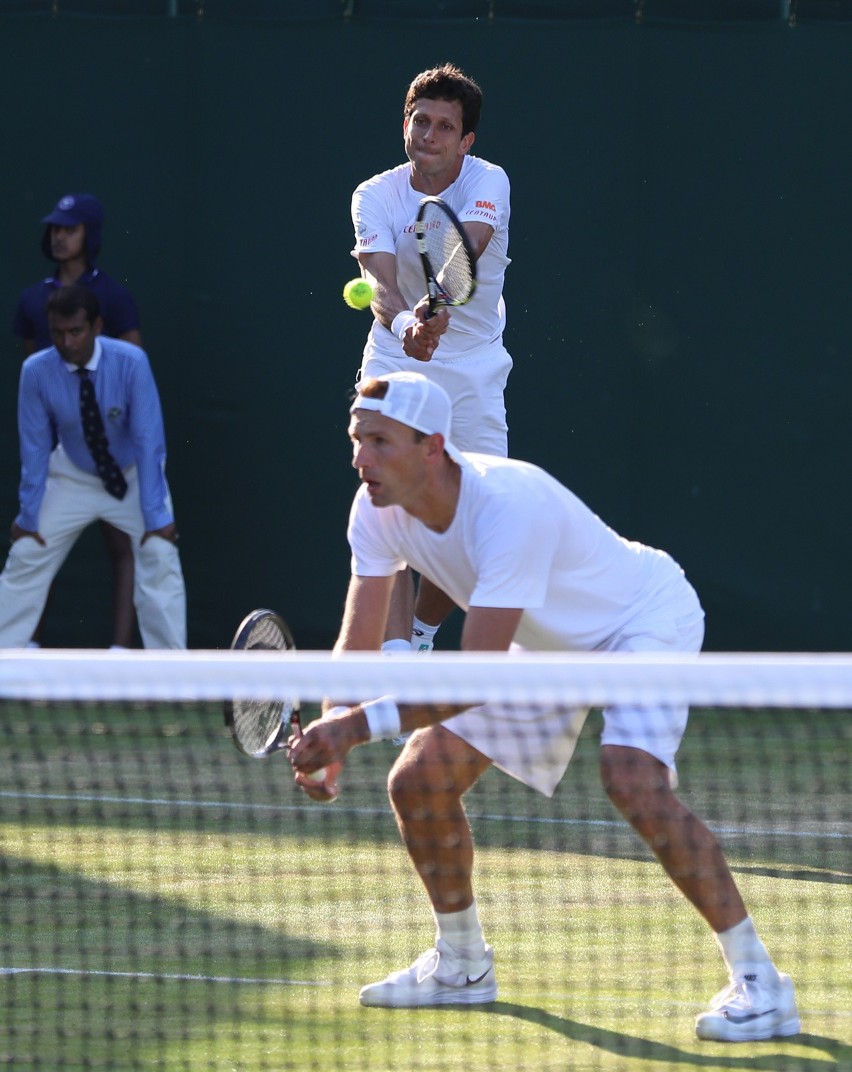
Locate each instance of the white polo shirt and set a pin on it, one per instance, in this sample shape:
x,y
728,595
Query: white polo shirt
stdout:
x,y
384,210
520,539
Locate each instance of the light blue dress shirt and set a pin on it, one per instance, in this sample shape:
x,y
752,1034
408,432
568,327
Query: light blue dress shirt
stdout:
x,y
49,411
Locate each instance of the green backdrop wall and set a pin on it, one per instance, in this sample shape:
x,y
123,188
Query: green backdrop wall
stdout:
x,y
679,298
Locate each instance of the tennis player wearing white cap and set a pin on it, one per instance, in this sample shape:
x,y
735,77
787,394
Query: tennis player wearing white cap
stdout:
x,y
532,566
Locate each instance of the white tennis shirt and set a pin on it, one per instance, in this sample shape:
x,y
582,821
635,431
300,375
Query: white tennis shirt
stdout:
x,y
520,539
384,210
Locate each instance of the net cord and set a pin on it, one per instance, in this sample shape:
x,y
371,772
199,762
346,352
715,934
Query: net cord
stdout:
x,y
564,679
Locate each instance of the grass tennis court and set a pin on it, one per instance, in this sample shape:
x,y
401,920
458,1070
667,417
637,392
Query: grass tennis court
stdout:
x,y
166,903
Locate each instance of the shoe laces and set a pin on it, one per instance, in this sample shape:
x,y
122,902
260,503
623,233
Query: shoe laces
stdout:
x,y
442,957
426,964
743,992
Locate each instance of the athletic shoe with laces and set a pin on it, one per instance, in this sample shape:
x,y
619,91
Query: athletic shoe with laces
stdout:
x,y
756,1004
438,977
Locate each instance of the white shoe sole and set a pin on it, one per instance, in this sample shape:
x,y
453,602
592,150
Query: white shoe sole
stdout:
x,y
381,996
718,1029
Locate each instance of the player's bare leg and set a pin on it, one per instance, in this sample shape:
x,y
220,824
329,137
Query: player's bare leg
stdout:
x,y
426,787
638,785
401,612
432,605
759,1002
430,608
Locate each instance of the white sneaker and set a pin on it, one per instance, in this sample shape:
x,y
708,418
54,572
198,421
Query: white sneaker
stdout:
x,y
438,977
753,1006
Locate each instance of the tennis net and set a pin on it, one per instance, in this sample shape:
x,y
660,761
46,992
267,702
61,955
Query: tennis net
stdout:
x,y
167,903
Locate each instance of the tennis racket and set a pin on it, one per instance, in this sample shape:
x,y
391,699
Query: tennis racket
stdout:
x,y
260,728
446,253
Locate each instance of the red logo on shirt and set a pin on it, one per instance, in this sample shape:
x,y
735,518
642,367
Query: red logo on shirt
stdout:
x,y
486,204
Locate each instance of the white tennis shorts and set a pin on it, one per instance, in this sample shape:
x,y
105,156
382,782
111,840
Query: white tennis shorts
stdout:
x,y
535,745
475,384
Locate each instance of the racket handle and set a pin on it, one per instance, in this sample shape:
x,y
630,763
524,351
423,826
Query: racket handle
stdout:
x,y
296,726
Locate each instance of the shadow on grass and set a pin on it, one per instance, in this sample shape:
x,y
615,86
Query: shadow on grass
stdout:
x,y
59,921
174,769
837,876
96,976
833,1054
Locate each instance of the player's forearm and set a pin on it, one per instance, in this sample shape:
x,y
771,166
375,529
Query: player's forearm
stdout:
x,y
329,740
417,716
388,300
388,304
365,613
385,719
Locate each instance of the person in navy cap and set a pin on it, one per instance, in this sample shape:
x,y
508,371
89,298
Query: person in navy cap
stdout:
x,y
72,240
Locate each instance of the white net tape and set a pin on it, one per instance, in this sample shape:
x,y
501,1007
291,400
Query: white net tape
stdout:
x,y
710,679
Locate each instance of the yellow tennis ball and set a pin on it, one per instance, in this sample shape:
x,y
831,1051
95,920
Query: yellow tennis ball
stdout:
x,y
358,293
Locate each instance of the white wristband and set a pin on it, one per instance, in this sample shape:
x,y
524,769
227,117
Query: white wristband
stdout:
x,y
402,322
382,718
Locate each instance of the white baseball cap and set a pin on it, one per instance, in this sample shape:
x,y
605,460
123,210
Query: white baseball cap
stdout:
x,y
414,400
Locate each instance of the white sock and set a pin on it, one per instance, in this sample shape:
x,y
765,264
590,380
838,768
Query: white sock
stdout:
x,y
742,949
461,930
396,645
423,636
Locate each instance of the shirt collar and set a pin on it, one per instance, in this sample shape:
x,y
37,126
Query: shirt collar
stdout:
x,y
93,360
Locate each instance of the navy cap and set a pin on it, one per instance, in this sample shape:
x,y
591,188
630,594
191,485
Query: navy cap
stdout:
x,y
71,210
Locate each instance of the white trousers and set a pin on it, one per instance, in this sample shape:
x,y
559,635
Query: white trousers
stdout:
x,y
73,500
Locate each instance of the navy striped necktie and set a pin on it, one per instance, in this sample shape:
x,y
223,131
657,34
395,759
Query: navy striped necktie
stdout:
x,y
96,440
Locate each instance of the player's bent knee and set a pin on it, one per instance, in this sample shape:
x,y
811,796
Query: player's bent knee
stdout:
x,y
435,762
629,775
406,779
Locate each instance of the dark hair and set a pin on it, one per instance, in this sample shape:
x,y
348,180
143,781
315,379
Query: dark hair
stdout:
x,y
374,388
66,301
73,209
448,83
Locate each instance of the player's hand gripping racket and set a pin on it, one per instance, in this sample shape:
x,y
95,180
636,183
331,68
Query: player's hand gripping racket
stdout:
x,y
447,255
260,728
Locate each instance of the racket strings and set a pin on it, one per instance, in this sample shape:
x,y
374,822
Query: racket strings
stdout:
x,y
448,256
266,635
257,723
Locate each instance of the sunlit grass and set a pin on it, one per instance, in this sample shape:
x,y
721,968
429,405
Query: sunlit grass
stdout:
x,y
167,904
